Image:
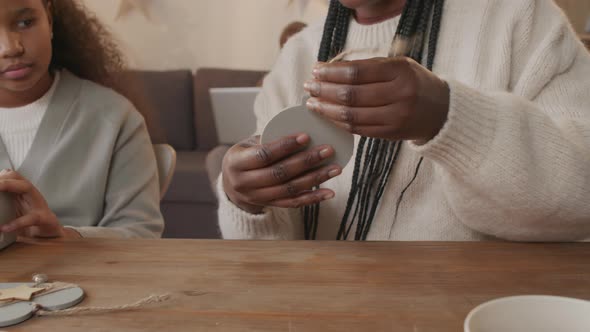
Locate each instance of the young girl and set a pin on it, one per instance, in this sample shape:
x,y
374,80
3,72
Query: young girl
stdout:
x,y
488,138
76,155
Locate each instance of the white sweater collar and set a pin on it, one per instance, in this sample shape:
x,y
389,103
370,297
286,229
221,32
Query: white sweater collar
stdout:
x,y
371,36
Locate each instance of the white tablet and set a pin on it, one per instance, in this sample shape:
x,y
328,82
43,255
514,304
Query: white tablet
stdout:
x,y
233,112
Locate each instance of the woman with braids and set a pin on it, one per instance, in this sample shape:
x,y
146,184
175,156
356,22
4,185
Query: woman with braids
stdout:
x,y
75,155
473,123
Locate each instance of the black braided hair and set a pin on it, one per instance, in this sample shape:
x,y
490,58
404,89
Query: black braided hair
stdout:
x,y
328,34
375,158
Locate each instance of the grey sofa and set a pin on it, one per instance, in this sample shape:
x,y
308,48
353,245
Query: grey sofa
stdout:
x,y
178,109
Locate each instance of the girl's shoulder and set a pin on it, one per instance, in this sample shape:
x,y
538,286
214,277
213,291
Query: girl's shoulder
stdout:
x,y
98,102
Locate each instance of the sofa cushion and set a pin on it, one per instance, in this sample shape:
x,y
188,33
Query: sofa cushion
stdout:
x,y
190,220
190,182
167,98
205,79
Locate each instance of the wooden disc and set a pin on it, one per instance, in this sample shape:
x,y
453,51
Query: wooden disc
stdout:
x,y
299,119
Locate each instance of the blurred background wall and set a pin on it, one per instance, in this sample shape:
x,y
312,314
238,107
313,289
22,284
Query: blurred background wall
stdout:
x,y
578,12
237,34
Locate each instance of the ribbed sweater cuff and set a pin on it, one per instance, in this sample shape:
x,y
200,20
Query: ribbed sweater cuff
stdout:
x,y
236,223
467,136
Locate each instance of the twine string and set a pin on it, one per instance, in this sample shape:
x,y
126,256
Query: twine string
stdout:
x,y
152,299
54,287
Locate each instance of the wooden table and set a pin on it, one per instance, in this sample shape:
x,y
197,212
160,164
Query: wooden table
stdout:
x,y
294,286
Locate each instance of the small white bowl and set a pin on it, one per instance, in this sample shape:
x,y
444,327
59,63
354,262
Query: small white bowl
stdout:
x,y
530,313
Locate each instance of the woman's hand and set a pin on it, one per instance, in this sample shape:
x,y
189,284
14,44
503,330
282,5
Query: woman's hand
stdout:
x,y
278,174
389,98
33,216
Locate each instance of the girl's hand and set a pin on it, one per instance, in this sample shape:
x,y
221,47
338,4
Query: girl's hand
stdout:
x,y
278,174
33,216
389,98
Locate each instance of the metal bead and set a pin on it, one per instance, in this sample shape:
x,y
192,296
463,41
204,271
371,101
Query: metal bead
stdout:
x,y
40,278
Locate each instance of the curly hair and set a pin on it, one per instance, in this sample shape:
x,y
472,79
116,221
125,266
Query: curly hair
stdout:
x,y
85,47
82,45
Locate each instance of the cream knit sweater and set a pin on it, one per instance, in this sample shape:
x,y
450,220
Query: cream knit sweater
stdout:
x,y
512,161
19,125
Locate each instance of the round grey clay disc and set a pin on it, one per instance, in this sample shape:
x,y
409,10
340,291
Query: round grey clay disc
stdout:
x,y
21,311
63,299
299,119
15,313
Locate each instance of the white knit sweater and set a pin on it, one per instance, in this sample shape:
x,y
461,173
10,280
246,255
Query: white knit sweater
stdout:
x,y
19,125
513,159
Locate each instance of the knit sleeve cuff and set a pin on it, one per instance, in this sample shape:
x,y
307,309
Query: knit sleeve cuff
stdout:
x,y
238,224
467,136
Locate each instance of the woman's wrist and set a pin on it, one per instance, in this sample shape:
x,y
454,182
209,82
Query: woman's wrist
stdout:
x,y
252,209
